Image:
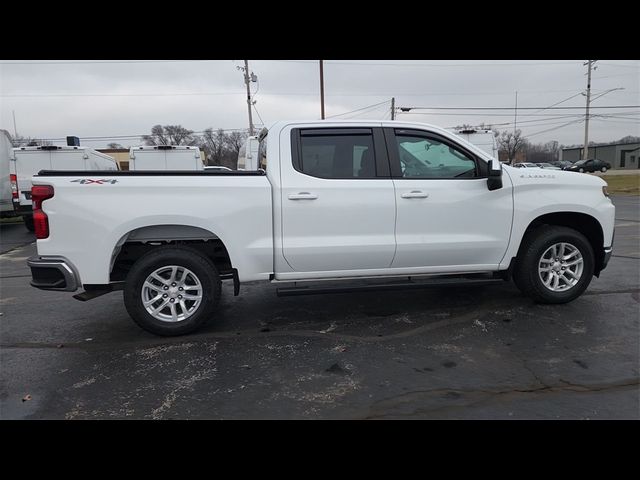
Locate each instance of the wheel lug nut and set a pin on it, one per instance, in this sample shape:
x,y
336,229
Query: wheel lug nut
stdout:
x,y
181,289
165,287
172,300
164,296
179,296
173,284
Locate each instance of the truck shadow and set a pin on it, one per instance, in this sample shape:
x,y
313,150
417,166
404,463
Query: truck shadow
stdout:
x,y
365,314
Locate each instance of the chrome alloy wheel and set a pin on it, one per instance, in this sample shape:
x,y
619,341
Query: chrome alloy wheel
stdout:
x,y
171,293
560,267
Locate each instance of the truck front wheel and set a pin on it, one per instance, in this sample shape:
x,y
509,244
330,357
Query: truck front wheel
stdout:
x,y
555,264
172,291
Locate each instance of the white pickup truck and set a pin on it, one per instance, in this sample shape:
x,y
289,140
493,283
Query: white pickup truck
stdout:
x,y
339,202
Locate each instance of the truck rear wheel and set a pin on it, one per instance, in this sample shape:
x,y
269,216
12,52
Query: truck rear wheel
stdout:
x,y
555,264
28,222
172,291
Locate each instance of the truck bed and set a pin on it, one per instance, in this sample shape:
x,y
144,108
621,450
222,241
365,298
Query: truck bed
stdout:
x,y
92,213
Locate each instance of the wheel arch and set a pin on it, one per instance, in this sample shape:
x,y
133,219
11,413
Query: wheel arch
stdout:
x,y
584,223
138,241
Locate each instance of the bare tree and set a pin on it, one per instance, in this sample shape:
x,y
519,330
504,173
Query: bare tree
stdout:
x,y
213,144
114,146
511,143
235,140
170,135
553,147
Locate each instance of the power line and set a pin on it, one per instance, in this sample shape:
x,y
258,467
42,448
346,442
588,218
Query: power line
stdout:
x,y
556,128
115,137
359,109
379,64
511,108
353,94
446,65
98,62
622,65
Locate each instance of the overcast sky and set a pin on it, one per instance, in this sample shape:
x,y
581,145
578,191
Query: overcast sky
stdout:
x,y
111,98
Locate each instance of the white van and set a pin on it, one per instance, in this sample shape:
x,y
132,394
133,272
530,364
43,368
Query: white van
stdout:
x,y
28,161
248,154
165,157
6,195
484,139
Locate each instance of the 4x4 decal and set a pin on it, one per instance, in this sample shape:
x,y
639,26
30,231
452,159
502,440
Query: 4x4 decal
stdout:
x,y
102,181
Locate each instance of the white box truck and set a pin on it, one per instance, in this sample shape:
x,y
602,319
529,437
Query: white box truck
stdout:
x,y
248,154
6,193
28,161
484,139
165,157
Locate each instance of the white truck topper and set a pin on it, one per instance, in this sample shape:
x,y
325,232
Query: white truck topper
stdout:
x,y
165,157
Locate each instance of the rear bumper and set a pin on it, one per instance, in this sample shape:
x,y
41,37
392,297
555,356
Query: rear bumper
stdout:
x,y
23,209
53,273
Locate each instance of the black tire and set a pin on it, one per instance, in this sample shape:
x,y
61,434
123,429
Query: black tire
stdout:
x,y
28,222
186,257
534,244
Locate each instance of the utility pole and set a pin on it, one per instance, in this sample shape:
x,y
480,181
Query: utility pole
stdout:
x,y
393,108
247,79
322,89
585,150
515,119
15,130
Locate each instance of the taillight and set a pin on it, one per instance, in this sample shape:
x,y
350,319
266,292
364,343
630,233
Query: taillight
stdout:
x,y
14,186
40,193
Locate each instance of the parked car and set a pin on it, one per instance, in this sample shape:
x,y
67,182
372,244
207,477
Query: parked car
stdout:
x,y
561,164
591,165
548,166
525,165
339,201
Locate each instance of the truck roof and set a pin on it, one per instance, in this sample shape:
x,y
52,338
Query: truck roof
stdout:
x,y
378,123
51,148
165,147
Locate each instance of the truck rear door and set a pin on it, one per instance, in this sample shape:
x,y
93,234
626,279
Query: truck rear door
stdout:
x,y
338,203
68,160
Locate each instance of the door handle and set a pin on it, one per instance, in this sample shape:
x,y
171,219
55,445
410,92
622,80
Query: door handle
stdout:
x,y
303,196
415,194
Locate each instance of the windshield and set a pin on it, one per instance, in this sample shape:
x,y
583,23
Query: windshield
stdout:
x,y
580,162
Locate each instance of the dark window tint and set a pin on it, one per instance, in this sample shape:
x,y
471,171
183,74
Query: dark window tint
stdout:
x,y
422,157
338,156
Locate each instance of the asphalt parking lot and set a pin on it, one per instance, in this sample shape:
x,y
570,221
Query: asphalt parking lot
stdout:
x,y
441,353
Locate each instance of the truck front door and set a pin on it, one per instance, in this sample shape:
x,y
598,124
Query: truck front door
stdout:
x,y
447,218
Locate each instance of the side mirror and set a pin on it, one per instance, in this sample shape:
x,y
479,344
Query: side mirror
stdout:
x,y
494,182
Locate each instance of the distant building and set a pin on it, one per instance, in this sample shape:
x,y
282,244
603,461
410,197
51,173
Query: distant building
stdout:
x,y
624,156
521,156
121,156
